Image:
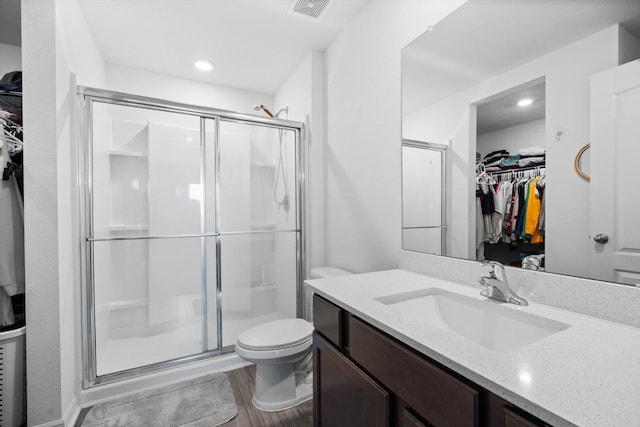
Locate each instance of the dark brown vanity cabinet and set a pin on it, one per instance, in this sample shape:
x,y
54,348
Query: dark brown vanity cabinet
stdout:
x,y
363,377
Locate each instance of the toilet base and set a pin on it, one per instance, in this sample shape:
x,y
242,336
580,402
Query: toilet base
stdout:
x,y
279,386
304,392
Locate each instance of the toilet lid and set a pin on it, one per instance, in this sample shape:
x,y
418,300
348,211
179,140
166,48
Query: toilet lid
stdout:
x,y
276,334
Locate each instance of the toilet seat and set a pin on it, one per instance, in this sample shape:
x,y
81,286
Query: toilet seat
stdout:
x,y
277,355
275,335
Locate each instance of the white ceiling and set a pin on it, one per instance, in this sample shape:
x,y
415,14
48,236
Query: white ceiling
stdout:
x,y
503,111
255,44
484,38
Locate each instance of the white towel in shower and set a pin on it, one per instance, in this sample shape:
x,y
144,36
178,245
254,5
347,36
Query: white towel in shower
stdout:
x,y
11,234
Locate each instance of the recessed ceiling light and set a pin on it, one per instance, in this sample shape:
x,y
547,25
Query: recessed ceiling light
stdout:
x,y
524,102
203,64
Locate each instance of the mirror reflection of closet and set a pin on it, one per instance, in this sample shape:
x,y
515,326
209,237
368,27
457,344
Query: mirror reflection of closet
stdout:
x,y
510,181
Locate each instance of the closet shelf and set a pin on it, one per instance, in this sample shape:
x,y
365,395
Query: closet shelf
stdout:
x,y
527,168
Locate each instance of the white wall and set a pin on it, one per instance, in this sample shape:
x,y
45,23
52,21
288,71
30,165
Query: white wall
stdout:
x,y
303,93
363,132
57,48
530,134
40,207
10,58
145,83
78,60
567,74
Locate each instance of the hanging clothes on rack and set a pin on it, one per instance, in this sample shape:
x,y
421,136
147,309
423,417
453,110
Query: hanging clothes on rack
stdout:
x,y
11,229
488,220
525,215
530,227
540,187
12,133
514,211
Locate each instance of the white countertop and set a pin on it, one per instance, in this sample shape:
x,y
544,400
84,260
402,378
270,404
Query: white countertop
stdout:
x,y
586,375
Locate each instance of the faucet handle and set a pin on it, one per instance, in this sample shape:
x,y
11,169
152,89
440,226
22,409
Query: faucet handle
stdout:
x,y
492,268
500,273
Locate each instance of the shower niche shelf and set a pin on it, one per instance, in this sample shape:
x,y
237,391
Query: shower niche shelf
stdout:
x,y
118,228
263,165
129,201
128,148
124,153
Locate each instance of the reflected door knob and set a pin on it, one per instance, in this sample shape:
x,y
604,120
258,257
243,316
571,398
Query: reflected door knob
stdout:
x,y
601,238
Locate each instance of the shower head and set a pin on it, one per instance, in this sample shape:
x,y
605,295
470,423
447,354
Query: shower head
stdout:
x,y
258,107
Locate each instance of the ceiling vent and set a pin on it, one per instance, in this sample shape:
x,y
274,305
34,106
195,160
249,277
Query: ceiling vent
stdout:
x,y
310,8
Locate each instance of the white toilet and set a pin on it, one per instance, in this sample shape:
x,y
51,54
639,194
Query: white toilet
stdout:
x,y
281,350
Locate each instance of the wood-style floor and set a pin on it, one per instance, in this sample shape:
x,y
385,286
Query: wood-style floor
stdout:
x,y
242,382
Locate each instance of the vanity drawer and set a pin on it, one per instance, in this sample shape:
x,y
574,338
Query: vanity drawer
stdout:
x,y
327,320
432,393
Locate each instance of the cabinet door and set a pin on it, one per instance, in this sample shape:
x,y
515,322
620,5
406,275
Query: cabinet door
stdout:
x,y
433,394
343,394
513,419
410,420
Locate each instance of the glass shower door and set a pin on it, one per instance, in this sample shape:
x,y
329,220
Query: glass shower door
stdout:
x,y
258,226
192,231
145,237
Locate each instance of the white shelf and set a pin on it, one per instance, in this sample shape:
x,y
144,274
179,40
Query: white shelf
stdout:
x,y
122,153
263,165
263,227
127,227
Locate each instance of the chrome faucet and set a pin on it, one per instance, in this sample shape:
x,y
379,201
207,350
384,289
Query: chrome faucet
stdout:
x,y
497,287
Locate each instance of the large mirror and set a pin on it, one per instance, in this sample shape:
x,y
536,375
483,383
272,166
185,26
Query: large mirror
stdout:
x,y
536,108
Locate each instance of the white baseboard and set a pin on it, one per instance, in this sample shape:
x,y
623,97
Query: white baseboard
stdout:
x,y
71,413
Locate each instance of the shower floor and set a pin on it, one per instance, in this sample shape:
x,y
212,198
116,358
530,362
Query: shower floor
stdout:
x,y
126,353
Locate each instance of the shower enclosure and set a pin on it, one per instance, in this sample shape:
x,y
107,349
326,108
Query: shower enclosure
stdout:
x,y
424,180
182,244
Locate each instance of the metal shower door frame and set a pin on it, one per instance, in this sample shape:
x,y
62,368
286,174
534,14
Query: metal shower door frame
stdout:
x,y
442,149
86,98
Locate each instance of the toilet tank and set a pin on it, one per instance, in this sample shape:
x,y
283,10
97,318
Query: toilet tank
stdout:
x,y
324,272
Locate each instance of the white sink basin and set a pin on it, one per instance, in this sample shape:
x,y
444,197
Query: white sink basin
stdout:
x,y
485,322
